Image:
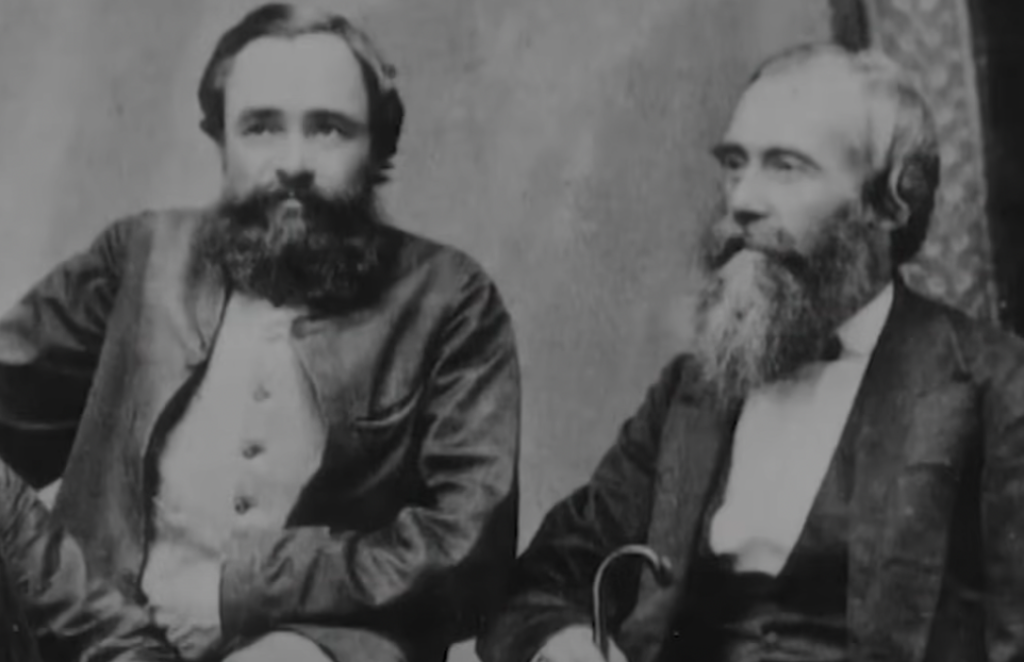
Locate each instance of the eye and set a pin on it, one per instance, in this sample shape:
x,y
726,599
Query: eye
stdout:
x,y
259,128
329,131
787,164
333,130
731,161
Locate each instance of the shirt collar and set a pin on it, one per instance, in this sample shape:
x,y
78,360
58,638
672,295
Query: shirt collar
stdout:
x,y
859,334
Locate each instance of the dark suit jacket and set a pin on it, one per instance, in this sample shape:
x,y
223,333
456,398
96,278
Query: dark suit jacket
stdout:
x,y
409,526
51,607
936,556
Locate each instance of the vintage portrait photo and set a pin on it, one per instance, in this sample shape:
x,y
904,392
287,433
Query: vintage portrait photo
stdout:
x,y
511,331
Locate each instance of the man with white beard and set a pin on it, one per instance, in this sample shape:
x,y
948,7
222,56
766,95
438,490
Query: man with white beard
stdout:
x,y
837,470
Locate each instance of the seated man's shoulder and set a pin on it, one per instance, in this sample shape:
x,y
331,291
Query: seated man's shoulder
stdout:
x,y
681,377
445,268
158,226
986,350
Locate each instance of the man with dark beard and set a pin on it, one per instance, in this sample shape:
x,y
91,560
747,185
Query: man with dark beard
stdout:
x,y
837,470
294,426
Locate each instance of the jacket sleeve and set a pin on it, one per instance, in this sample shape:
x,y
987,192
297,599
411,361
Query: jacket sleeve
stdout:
x,y
552,580
444,557
1002,508
49,347
70,614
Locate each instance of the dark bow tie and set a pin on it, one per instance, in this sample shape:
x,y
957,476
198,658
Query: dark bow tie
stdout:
x,y
832,349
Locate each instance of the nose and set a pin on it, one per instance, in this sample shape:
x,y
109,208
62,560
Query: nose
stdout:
x,y
300,180
747,199
292,160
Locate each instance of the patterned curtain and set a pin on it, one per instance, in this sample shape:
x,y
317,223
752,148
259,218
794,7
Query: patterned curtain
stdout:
x,y
933,39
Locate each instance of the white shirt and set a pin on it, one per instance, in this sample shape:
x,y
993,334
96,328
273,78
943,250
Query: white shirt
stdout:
x,y
785,437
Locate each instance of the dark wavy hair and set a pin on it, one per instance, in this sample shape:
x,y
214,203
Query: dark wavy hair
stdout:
x,y
386,110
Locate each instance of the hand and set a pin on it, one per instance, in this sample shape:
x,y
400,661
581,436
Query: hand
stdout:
x,y
576,644
188,610
193,639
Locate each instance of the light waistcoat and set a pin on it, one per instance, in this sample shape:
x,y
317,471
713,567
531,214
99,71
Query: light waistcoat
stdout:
x,y
247,444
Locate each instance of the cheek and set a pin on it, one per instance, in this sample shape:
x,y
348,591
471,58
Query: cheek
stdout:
x,y
807,215
245,169
342,167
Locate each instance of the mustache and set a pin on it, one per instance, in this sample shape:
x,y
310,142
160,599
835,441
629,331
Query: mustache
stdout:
x,y
788,258
316,203
278,193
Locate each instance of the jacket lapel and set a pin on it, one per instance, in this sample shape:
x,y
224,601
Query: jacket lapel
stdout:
x,y
696,441
209,294
184,330
905,429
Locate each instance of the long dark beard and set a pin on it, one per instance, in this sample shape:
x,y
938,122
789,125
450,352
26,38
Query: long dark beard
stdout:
x,y
332,254
766,310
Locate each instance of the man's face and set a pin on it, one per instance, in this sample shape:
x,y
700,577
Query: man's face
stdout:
x,y
793,156
295,114
299,221
795,251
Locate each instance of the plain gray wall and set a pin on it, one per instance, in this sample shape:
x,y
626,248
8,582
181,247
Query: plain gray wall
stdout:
x,y
563,143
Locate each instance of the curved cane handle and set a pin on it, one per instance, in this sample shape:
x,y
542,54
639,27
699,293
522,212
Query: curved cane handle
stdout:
x,y
660,566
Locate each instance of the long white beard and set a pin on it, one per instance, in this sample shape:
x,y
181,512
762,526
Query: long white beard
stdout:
x,y
763,315
756,324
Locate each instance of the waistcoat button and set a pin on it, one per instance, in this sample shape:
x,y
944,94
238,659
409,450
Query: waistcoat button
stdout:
x,y
261,393
252,449
243,505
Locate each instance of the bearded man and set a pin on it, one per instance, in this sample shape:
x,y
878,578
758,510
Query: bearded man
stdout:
x,y
837,470
294,426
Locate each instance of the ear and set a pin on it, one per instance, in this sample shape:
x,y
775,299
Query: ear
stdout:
x,y
897,207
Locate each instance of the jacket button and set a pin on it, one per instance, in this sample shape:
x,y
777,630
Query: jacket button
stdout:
x,y
261,393
772,639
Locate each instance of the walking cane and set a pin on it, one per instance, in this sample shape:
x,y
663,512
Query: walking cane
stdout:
x,y
659,565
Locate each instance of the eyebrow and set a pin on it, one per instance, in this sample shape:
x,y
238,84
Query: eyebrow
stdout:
x,y
788,153
343,120
258,114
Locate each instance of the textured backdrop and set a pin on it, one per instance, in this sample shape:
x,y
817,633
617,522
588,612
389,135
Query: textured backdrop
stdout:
x,y
932,38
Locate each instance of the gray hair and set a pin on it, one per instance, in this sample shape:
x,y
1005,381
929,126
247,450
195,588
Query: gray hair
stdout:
x,y
902,149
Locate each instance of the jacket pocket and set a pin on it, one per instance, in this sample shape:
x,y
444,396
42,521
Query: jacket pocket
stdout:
x,y
373,457
390,418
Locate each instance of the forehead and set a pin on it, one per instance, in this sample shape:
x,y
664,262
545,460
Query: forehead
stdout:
x,y
819,110
314,71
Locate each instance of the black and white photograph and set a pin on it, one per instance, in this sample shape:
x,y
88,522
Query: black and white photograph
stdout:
x,y
511,331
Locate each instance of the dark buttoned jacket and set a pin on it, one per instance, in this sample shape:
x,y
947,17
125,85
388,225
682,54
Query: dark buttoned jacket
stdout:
x,y
936,516
409,525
